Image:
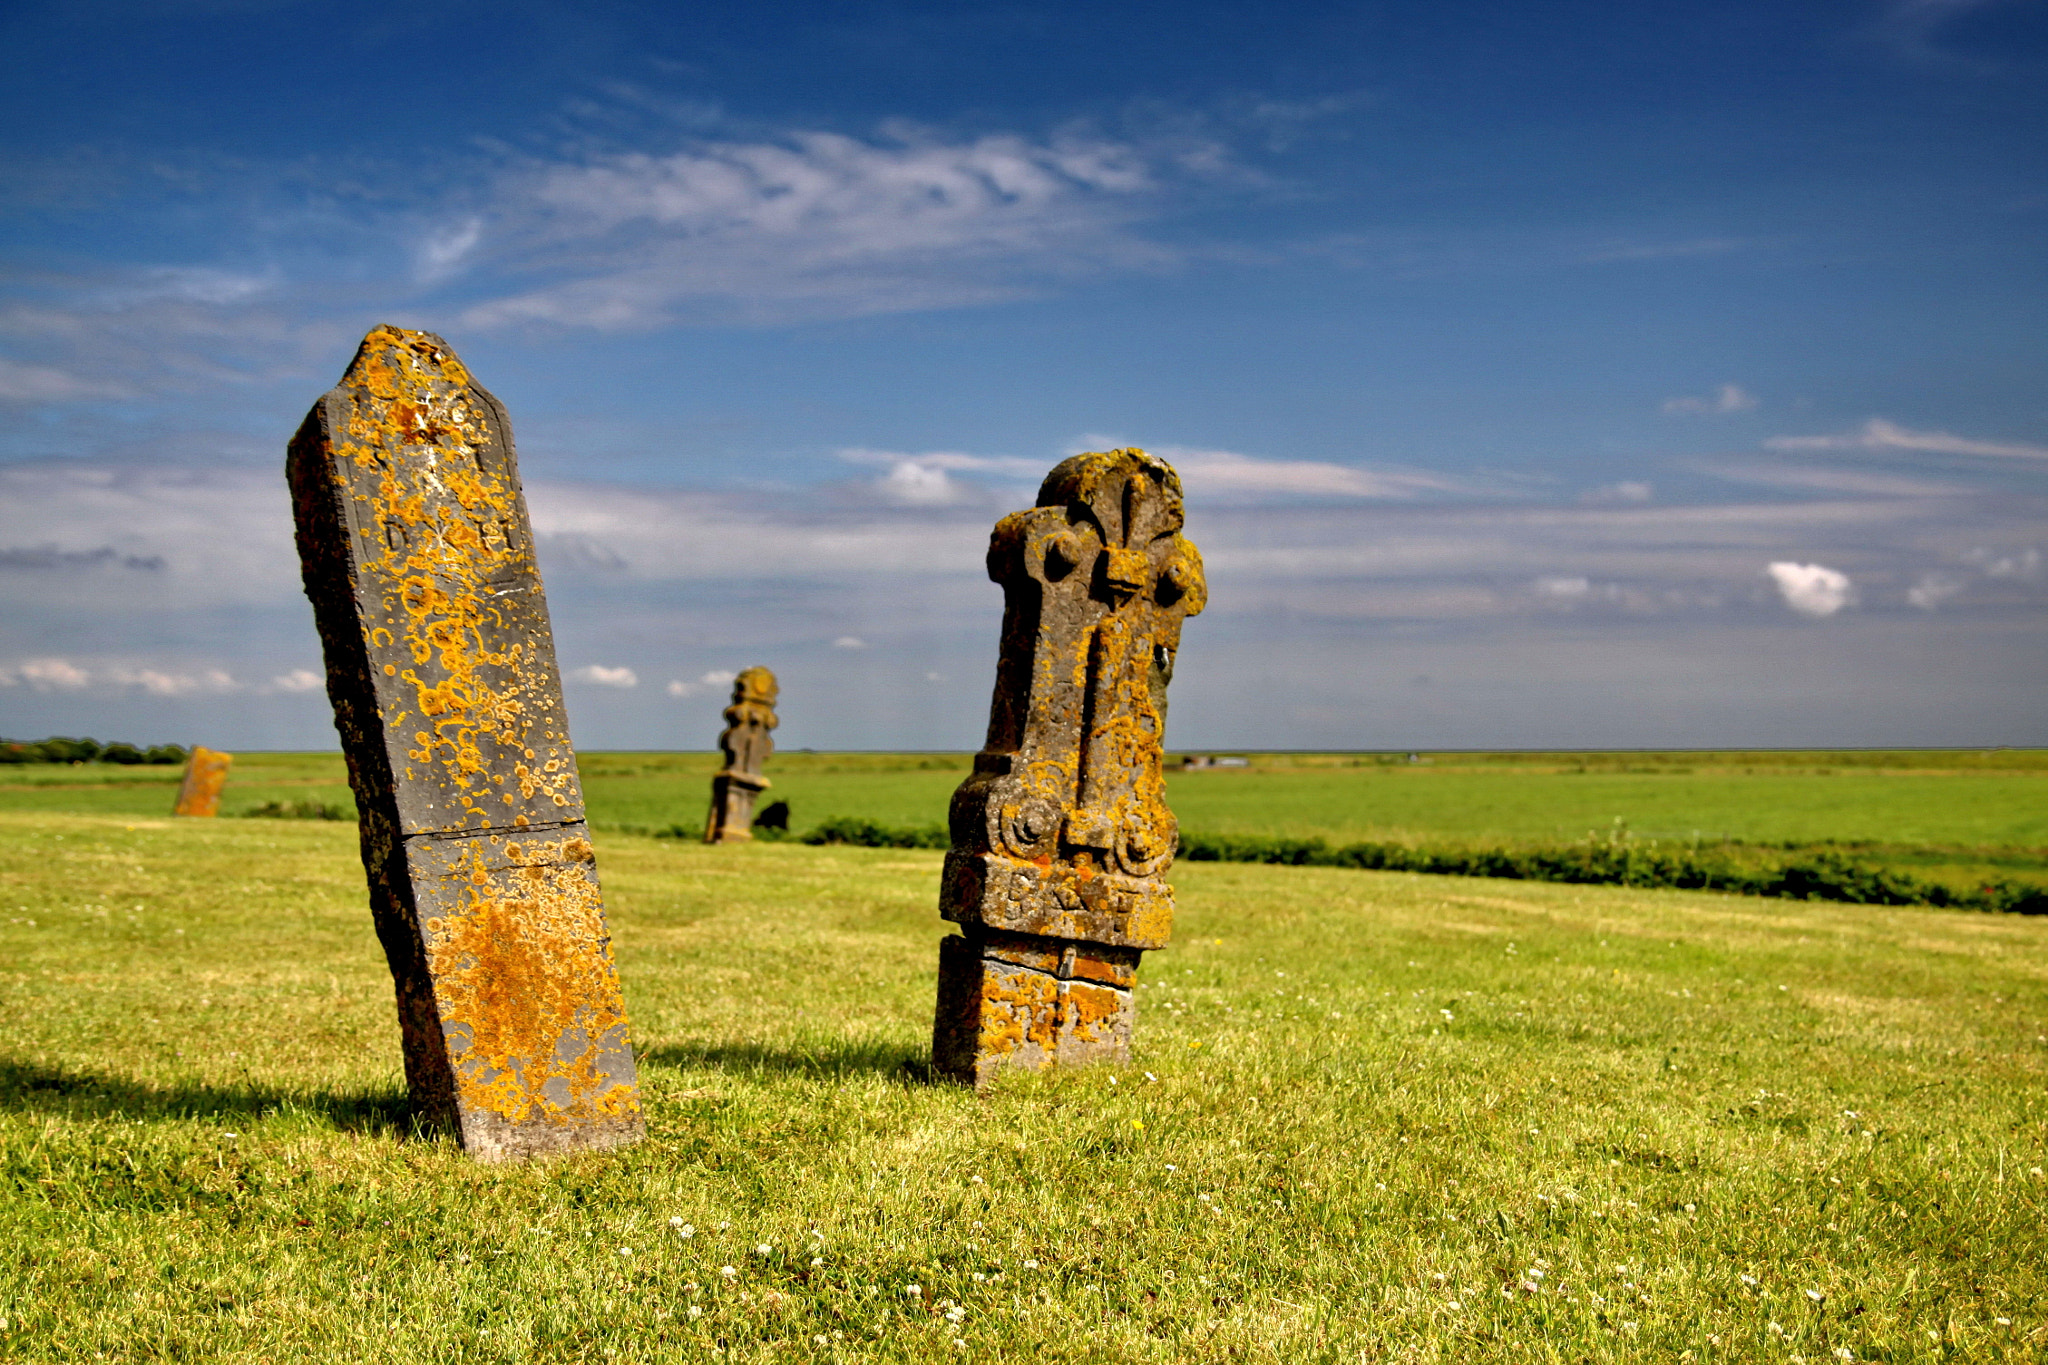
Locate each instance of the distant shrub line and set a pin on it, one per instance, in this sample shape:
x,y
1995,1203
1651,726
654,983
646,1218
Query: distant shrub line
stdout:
x,y
1823,876
62,749
868,834
298,810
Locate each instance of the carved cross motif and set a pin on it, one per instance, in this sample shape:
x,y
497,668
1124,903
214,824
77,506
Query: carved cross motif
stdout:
x,y
1063,829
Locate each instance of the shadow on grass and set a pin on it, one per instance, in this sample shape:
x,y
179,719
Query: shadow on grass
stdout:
x,y
29,1088
833,1060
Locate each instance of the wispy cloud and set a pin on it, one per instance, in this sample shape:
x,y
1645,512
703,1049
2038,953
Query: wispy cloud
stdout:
x,y
1727,398
63,675
1627,493
1879,434
812,225
1226,475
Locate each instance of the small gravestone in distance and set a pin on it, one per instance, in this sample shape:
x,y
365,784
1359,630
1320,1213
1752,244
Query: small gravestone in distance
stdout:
x,y
1061,836
206,772
746,745
418,558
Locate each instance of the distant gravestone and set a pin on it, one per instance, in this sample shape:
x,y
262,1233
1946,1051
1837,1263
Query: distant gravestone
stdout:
x,y
1061,837
418,558
746,745
206,772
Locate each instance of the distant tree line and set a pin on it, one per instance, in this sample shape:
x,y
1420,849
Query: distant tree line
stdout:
x,y
63,749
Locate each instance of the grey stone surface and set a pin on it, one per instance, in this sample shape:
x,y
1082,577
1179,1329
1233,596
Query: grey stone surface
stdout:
x,y
418,558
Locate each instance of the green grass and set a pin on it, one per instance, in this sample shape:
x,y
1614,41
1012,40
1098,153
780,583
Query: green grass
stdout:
x,y
1365,1109
1959,818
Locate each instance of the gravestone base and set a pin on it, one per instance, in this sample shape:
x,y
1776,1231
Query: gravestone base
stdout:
x,y
732,807
1021,1001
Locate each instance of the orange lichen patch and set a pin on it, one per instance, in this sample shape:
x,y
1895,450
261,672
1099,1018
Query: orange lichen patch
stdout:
x,y
1092,1014
526,988
206,773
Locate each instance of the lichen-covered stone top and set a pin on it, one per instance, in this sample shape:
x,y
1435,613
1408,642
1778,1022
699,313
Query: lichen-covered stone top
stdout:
x,y
448,597
1063,829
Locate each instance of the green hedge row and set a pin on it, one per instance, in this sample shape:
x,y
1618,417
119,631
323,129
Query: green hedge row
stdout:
x,y
1823,876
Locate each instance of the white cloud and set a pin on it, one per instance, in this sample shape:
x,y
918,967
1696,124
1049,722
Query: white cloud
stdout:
x,y
1727,398
817,224
918,484
1812,589
62,675
160,683
51,675
1934,589
1879,434
1567,589
298,680
600,676
717,677
849,642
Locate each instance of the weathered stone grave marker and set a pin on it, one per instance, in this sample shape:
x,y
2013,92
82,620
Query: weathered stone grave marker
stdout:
x,y
1061,837
418,558
746,745
206,772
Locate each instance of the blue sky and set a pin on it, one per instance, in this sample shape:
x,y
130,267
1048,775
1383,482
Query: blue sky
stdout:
x,y
1559,375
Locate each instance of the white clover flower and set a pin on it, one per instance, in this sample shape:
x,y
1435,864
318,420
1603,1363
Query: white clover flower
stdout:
x,y
696,1311
976,1180
727,1271
1815,1295
763,1249
817,1260
625,1251
912,1291
1031,1265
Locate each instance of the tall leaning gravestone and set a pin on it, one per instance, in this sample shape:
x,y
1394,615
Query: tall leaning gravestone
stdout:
x,y
418,558
1061,837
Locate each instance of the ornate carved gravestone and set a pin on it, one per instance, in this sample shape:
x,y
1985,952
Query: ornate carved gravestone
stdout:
x,y
206,772
1061,837
746,746
418,558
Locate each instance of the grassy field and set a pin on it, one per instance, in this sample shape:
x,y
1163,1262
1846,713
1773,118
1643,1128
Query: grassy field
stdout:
x,y
1958,816
1371,1117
